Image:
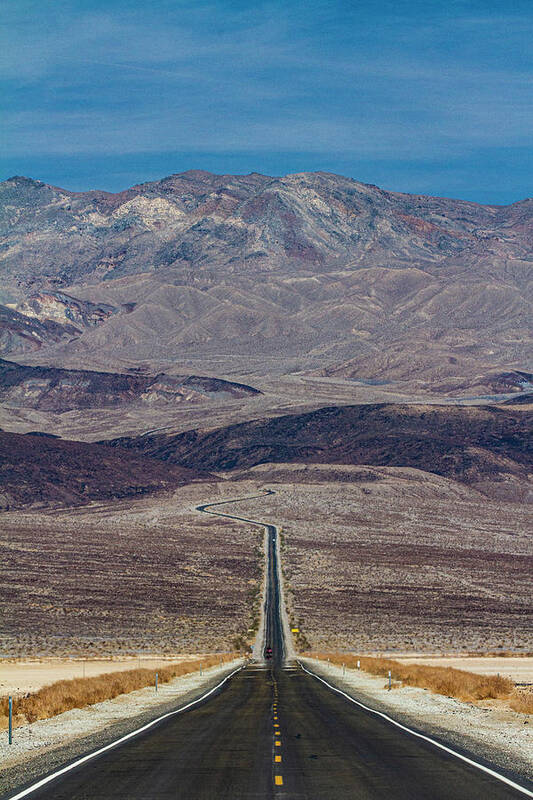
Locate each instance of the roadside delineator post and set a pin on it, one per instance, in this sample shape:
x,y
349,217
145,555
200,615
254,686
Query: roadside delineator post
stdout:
x,y
10,734
343,670
201,670
358,664
156,677
390,680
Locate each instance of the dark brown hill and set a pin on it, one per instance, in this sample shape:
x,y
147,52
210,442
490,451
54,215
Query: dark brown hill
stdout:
x,y
53,389
468,444
43,470
521,400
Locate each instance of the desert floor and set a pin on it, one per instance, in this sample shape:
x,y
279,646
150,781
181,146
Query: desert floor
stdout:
x,y
517,668
148,576
375,559
398,560
20,676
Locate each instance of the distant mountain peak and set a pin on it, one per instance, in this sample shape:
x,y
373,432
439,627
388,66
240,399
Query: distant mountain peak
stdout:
x,y
24,180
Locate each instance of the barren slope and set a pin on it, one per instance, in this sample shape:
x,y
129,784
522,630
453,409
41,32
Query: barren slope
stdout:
x,y
43,470
306,272
488,446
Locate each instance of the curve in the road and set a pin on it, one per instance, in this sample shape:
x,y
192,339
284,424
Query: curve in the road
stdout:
x,y
274,638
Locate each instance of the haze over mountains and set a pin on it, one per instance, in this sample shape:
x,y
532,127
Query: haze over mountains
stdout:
x,y
252,274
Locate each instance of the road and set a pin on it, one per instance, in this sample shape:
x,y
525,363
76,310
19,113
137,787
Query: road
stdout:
x,y
274,731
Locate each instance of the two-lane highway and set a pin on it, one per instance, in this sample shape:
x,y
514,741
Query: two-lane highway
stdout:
x,y
273,634
275,731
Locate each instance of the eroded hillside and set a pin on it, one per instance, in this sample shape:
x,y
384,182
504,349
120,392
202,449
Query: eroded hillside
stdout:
x,y
310,272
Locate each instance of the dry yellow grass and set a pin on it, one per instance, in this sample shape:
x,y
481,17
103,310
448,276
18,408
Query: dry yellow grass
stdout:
x,y
522,702
466,686
80,692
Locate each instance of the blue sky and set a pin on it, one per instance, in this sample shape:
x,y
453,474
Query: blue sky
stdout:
x,y
431,97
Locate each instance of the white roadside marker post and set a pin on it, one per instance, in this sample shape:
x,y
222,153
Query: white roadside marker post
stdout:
x,y
343,670
156,677
201,670
10,734
390,680
358,664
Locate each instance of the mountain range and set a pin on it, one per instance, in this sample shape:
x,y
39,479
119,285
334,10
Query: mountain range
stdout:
x,y
309,273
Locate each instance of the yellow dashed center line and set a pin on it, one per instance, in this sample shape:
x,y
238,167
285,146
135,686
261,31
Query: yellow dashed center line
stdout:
x,y
277,759
277,733
278,780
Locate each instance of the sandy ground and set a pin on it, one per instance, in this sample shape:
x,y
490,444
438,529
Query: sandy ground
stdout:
x,y
519,670
495,734
18,676
45,736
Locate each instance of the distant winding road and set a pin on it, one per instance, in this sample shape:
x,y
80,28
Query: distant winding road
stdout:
x,y
274,730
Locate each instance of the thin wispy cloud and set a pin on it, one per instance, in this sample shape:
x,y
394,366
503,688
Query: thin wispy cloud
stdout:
x,y
408,83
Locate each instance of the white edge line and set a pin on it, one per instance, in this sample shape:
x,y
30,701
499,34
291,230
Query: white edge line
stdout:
x,y
89,756
449,750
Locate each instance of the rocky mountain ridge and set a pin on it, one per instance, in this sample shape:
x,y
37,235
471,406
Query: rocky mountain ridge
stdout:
x,y
249,223
310,272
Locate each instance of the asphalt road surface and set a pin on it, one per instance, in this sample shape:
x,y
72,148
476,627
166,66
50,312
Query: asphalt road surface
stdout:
x,y
273,731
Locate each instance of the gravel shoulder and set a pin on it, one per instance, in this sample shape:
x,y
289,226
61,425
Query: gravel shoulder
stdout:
x,y
501,737
46,745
